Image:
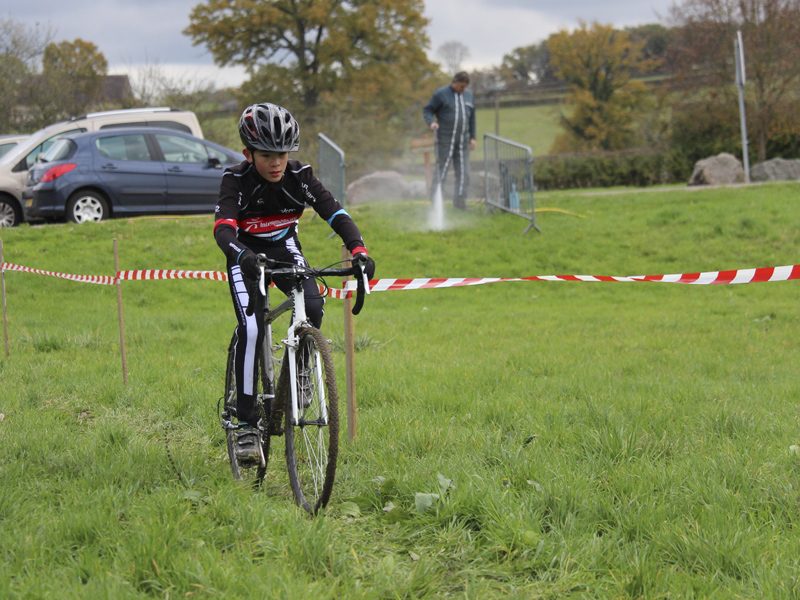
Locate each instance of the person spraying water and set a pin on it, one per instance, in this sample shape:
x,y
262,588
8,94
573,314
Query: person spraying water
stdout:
x,y
450,114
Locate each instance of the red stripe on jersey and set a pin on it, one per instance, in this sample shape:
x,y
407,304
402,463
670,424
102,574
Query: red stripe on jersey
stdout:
x,y
230,222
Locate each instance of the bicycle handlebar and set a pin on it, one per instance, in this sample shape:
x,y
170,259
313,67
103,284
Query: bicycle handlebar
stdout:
x,y
270,268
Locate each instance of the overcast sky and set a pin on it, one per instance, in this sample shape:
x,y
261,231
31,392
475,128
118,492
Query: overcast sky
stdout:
x,y
132,33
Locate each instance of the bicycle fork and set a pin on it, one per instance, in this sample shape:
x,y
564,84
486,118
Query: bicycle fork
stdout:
x,y
292,344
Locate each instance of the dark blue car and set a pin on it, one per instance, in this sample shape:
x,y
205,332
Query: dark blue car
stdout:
x,y
124,172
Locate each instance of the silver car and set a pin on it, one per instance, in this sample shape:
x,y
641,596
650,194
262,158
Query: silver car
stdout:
x,y
7,142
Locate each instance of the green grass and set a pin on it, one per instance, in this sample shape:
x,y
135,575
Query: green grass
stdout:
x,y
534,126
584,440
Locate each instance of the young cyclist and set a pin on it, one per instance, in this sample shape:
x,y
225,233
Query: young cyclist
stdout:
x,y
260,203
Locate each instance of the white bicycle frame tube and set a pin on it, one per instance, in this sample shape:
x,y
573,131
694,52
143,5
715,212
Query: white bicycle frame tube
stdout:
x,y
299,319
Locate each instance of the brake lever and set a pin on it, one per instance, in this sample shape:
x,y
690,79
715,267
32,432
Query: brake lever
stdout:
x,y
362,287
262,261
365,279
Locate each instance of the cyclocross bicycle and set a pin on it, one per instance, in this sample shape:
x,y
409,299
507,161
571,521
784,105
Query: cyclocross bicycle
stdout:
x,y
302,402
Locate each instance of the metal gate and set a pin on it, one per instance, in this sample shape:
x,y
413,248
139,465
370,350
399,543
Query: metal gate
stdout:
x,y
508,177
331,169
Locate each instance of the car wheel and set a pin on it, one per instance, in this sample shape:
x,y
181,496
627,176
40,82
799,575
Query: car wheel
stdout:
x,y
10,212
86,206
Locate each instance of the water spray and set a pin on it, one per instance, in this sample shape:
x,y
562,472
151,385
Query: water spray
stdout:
x,y
436,215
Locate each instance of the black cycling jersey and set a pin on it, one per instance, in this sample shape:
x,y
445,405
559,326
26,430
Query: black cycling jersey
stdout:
x,y
254,213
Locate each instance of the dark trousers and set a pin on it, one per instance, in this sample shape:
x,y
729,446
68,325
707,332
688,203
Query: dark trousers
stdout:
x,y
455,156
250,329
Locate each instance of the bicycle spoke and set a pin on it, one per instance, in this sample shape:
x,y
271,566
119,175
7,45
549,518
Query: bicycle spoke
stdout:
x,y
317,458
312,445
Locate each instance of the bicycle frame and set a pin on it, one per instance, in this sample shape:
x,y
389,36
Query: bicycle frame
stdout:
x,y
306,394
297,302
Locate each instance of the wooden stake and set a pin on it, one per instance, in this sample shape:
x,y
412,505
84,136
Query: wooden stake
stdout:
x,y
349,360
5,315
120,316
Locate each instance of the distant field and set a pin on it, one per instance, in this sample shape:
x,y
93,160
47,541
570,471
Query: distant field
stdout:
x,y
534,126
516,440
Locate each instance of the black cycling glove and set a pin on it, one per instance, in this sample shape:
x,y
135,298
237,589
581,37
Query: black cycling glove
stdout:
x,y
247,261
360,256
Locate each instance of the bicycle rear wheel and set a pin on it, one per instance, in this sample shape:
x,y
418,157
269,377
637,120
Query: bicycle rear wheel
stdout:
x,y
229,422
312,445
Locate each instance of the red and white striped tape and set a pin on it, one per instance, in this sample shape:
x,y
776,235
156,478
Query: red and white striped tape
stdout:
x,y
730,277
97,279
160,274
135,275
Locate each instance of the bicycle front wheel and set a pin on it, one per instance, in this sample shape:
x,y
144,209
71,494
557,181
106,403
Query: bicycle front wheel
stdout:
x,y
312,444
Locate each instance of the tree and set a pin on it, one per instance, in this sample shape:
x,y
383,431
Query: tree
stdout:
x,y
486,81
20,50
598,62
75,70
703,57
356,65
656,40
312,45
453,53
529,64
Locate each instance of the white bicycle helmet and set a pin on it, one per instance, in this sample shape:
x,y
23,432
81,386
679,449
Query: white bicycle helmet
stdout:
x,y
270,128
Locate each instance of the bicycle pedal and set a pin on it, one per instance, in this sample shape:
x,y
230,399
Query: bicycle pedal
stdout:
x,y
249,451
253,461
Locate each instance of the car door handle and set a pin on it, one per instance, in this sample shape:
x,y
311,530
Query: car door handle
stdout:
x,y
109,167
175,170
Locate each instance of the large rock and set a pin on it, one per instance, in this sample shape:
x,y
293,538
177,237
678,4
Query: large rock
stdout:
x,y
717,170
776,169
383,185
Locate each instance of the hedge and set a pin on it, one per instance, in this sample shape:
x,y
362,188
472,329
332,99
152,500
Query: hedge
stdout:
x,y
639,167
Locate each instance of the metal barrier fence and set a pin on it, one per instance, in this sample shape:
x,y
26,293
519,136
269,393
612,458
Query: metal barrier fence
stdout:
x,y
331,168
508,177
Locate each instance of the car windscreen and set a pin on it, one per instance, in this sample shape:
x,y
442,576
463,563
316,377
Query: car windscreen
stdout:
x,y
60,150
6,147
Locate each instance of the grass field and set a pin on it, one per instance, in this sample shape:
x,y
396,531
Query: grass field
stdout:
x,y
524,440
534,126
